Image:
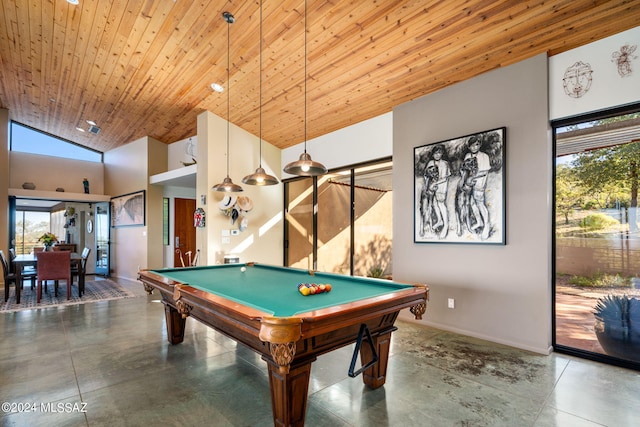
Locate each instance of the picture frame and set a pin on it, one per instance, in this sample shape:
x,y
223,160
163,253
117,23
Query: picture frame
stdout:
x,y
128,210
459,189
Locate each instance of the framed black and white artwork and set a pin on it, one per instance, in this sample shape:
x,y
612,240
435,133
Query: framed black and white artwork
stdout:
x,y
459,189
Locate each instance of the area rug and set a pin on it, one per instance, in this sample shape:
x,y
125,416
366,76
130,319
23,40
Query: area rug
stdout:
x,y
95,290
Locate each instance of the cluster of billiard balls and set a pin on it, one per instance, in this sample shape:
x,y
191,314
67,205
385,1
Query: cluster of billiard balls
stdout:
x,y
312,288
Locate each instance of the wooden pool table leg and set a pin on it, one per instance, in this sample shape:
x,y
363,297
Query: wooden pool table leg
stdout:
x,y
175,324
376,375
289,392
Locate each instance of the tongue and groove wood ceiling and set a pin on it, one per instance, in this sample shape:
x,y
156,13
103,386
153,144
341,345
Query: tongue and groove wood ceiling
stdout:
x,y
145,67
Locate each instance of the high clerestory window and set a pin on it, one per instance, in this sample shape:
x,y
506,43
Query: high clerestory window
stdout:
x,y
28,140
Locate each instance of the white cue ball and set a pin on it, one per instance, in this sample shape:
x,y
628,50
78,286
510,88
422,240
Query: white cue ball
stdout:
x,y
243,269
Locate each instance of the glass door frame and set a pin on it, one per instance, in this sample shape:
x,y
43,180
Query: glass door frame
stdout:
x,y
352,169
102,270
555,124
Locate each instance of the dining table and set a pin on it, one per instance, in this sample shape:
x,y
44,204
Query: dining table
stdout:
x,y
27,260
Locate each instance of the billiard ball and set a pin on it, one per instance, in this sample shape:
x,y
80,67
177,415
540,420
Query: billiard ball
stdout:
x,y
243,269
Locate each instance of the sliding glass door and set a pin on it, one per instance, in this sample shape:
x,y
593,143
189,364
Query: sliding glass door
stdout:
x,y
341,222
597,237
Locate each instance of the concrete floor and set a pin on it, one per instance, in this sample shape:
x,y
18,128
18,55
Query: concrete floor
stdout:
x,y
113,356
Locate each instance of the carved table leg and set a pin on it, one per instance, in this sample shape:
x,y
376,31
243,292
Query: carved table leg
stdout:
x,y
175,324
376,375
289,392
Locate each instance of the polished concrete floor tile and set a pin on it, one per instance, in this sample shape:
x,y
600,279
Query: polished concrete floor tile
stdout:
x,y
223,389
613,393
551,417
115,358
519,372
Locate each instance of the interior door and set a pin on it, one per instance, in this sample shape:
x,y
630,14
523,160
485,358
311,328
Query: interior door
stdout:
x,y
184,232
101,230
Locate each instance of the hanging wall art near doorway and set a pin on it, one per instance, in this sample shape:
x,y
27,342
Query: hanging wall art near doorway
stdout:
x,y
128,209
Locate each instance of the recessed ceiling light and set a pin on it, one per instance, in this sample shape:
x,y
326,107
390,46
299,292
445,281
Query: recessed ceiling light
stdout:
x,y
91,122
79,129
217,87
73,1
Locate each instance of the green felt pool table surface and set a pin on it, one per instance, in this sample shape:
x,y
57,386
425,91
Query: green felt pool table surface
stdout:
x,y
274,290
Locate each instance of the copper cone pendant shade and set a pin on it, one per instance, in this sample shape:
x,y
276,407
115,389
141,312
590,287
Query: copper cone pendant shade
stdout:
x,y
260,177
304,166
227,186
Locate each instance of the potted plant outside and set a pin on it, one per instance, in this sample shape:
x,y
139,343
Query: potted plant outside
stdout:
x,y
617,326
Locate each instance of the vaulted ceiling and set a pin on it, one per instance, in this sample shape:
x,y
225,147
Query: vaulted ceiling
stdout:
x,y
145,67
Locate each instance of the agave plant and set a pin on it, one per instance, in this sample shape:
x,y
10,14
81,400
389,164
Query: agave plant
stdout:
x,y
376,272
617,326
618,309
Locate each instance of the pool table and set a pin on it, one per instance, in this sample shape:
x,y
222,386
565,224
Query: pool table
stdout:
x,y
260,306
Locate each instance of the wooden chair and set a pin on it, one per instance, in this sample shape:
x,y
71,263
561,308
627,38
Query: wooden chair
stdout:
x,y
12,255
53,266
9,277
80,270
28,272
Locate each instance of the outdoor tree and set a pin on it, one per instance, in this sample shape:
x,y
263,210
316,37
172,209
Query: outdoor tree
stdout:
x,y
568,191
612,170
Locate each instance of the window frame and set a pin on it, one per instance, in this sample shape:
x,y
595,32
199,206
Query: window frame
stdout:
x,y
59,140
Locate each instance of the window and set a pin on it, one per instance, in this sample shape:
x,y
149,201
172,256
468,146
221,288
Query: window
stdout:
x,y
165,221
28,140
597,237
352,230
30,225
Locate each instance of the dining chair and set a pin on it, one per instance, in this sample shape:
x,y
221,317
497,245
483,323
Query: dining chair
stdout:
x,y
28,272
9,277
80,270
12,255
53,266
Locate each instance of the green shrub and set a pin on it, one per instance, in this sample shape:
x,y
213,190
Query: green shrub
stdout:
x,y
376,272
598,221
602,280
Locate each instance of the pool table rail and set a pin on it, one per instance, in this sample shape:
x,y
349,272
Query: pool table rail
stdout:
x,y
290,344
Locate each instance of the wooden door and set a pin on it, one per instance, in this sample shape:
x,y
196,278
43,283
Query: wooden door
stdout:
x,y
184,232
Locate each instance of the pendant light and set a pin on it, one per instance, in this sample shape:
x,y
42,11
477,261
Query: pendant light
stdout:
x,y
304,166
260,177
227,186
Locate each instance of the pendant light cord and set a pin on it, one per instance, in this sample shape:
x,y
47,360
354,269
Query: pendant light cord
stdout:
x,y
229,20
305,76
260,106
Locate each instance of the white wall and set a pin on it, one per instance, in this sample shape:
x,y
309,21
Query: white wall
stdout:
x,y
262,241
365,141
502,293
48,173
181,151
608,87
126,172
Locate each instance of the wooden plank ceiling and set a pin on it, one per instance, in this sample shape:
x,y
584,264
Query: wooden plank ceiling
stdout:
x,y
144,67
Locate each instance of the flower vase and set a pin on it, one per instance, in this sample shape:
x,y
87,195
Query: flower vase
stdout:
x,y
48,248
